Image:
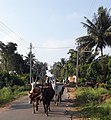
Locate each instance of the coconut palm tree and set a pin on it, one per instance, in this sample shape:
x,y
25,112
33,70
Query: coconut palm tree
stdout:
x,y
98,32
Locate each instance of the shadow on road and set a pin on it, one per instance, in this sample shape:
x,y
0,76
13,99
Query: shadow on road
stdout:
x,y
21,106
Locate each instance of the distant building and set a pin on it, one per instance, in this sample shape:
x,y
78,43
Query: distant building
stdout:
x,y
72,79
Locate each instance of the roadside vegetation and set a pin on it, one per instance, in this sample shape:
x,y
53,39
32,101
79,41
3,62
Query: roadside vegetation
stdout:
x,y
94,103
93,65
8,94
94,68
15,72
11,87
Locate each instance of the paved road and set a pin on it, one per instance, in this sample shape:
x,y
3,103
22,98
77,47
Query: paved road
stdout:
x,y
22,110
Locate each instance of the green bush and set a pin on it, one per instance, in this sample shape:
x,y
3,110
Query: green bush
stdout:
x,y
6,95
102,85
90,95
71,84
92,107
25,78
20,89
100,112
9,93
7,79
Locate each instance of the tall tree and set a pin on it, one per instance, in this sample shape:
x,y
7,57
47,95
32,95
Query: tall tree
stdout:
x,y
17,63
7,52
27,59
72,62
56,70
98,32
39,70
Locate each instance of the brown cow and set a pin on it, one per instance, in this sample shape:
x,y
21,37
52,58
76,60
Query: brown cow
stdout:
x,y
34,96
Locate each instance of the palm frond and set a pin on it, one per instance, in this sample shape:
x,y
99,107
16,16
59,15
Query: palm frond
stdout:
x,y
98,31
90,23
108,40
90,29
85,42
108,29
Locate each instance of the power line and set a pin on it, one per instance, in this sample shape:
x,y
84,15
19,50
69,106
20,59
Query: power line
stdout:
x,y
9,30
11,33
37,54
54,47
91,7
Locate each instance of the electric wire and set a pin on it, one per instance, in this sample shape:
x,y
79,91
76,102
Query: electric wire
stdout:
x,y
54,47
9,30
91,7
38,57
109,5
11,33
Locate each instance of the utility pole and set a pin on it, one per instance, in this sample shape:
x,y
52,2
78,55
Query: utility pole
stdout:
x,y
77,69
66,71
30,63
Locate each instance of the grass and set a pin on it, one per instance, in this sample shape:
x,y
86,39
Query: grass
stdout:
x,y
8,94
91,105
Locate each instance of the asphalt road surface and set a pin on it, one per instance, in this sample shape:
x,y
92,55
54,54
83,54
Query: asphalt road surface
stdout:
x,y
21,110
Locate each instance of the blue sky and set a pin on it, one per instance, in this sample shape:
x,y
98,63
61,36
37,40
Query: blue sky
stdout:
x,y
47,24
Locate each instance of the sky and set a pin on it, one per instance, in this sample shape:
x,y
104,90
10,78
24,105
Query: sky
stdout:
x,y
52,26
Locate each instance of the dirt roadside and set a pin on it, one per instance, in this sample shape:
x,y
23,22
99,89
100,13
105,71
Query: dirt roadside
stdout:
x,y
73,108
